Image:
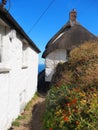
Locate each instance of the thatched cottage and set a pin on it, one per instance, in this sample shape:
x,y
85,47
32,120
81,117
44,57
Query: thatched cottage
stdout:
x,y
57,50
18,69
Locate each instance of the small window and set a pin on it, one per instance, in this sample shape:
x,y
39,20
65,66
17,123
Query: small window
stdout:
x,y
4,67
24,55
0,48
1,44
68,54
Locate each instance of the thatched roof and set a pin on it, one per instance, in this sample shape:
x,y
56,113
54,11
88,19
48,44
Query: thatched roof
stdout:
x,y
68,37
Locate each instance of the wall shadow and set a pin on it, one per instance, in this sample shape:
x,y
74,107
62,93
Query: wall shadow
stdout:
x,y
43,86
36,122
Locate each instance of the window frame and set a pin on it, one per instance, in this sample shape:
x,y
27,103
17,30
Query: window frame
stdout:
x,y
3,66
24,55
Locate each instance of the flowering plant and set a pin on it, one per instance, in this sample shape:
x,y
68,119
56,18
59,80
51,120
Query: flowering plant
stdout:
x,y
74,108
70,108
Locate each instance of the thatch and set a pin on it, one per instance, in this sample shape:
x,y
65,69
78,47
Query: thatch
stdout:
x,y
71,37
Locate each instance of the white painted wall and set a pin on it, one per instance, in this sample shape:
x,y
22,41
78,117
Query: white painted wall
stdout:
x,y
51,61
17,84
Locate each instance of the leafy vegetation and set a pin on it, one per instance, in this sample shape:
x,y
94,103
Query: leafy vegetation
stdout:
x,y
82,68
72,104
17,121
70,108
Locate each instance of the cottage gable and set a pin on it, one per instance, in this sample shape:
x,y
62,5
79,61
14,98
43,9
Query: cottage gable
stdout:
x,y
72,34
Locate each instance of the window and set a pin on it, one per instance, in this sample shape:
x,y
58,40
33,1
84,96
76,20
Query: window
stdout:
x,y
4,50
0,44
68,54
24,55
0,47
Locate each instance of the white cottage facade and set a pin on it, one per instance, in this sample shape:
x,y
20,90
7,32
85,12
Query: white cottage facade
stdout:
x,y
51,61
18,69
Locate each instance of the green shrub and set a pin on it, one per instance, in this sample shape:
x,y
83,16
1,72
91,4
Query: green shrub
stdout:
x,y
73,103
16,123
71,108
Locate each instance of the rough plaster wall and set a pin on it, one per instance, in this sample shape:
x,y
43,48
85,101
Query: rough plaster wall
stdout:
x,y
4,81
17,86
51,62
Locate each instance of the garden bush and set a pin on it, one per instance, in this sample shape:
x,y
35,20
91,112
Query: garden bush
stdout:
x,y
81,69
71,108
72,104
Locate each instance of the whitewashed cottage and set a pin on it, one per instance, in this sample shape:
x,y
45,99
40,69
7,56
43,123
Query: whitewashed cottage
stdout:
x,y
57,50
18,69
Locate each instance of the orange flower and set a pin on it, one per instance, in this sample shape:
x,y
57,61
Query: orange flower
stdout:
x,y
50,129
77,123
74,101
66,119
69,104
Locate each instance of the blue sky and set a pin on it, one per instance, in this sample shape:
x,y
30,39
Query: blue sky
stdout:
x,y
27,12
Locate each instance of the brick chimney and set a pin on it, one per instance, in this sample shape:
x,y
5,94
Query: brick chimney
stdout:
x,y
72,16
3,3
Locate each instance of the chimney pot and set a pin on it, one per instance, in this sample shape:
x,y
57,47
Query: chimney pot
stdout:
x,y
4,2
73,15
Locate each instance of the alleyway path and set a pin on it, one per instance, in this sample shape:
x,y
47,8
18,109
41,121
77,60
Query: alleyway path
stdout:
x,y
32,118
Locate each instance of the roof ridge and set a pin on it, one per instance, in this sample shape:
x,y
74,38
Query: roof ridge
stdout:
x,y
65,26
73,37
6,16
